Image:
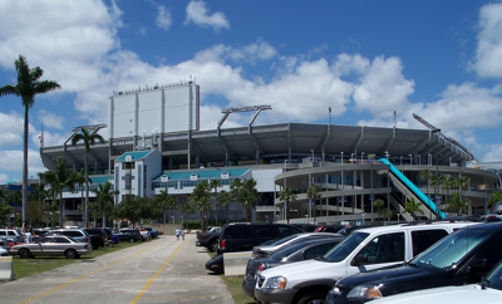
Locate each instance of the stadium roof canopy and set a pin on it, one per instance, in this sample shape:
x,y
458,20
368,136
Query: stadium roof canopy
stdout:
x,y
274,143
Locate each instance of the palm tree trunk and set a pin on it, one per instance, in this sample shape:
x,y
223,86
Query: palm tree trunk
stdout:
x,y
24,206
287,212
104,216
86,220
227,212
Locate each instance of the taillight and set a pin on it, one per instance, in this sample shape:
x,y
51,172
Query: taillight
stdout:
x,y
260,268
223,244
86,240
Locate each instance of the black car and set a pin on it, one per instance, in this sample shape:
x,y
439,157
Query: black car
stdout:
x,y
216,264
461,258
129,235
209,239
97,237
306,250
244,236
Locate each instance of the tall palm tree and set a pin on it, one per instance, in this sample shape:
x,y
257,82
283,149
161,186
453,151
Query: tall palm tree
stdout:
x,y
223,200
249,196
104,198
236,190
88,137
314,193
201,200
214,184
287,195
165,202
412,207
60,180
28,85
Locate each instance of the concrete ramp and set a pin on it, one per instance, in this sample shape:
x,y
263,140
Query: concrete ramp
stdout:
x,y
6,268
235,263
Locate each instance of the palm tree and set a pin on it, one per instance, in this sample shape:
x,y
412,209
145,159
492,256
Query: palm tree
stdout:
x,y
165,202
104,198
314,193
287,195
426,175
214,184
58,181
249,196
88,137
386,213
412,207
27,87
223,200
236,190
201,200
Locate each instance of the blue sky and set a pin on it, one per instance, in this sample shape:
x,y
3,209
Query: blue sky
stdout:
x,y
364,59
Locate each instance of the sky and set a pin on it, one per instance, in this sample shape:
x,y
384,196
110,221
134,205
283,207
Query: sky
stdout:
x,y
363,59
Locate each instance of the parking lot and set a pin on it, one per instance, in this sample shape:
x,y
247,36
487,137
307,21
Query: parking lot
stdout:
x,y
161,271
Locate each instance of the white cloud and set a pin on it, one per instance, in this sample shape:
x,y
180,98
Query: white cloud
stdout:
x,y
12,160
383,87
494,154
51,120
199,14
251,53
12,129
4,178
488,61
163,19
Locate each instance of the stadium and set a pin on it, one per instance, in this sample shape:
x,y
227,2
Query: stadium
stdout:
x,y
154,143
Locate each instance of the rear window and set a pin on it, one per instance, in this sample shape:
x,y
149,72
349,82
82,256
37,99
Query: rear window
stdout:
x,y
73,233
425,238
237,232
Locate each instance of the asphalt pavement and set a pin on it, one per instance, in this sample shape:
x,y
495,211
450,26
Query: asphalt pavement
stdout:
x,y
163,270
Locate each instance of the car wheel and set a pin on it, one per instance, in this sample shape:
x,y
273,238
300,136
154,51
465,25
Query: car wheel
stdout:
x,y
70,254
95,247
24,253
315,297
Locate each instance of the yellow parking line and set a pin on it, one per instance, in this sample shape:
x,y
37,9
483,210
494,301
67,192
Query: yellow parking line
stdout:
x,y
88,274
147,285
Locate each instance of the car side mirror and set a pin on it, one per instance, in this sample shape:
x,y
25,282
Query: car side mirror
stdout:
x,y
360,260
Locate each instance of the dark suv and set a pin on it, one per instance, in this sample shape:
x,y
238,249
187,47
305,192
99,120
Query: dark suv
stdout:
x,y
97,237
462,258
244,236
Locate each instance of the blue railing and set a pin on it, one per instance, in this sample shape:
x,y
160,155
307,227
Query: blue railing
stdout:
x,y
432,206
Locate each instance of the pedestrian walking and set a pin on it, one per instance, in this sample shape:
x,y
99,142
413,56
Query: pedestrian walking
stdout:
x,y
183,234
178,233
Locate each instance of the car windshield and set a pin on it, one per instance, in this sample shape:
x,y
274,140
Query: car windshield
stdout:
x,y
342,250
494,278
449,251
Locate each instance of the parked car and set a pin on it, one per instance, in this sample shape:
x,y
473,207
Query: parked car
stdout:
x,y
462,258
153,233
244,236
364,249
329,228
129,235
300,251
305,227
97,237
12,234
4,252
489,291
209,238
52,245
145,234
263,251
79,235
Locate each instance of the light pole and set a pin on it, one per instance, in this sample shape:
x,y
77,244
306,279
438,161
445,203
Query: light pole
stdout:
x,y
429,160
341,159
362,156
351,158
411,159
172,216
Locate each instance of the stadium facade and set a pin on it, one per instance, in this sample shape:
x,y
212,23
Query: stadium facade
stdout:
x,y
352,165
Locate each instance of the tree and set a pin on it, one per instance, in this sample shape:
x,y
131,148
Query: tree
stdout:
x,y
457,204
386,213
58,180
28,85
287,195
165,202
249,196
412,207
496,197
223,200
201,200
426,175
314,193
136,209
236,190
104,199
214,184
89,137
5,211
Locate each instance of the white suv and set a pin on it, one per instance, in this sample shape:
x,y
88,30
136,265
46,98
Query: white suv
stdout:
x,y
11,234
363,250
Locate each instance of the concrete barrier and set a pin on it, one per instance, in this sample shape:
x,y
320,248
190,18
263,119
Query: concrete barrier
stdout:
x,y
235,263
6,268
